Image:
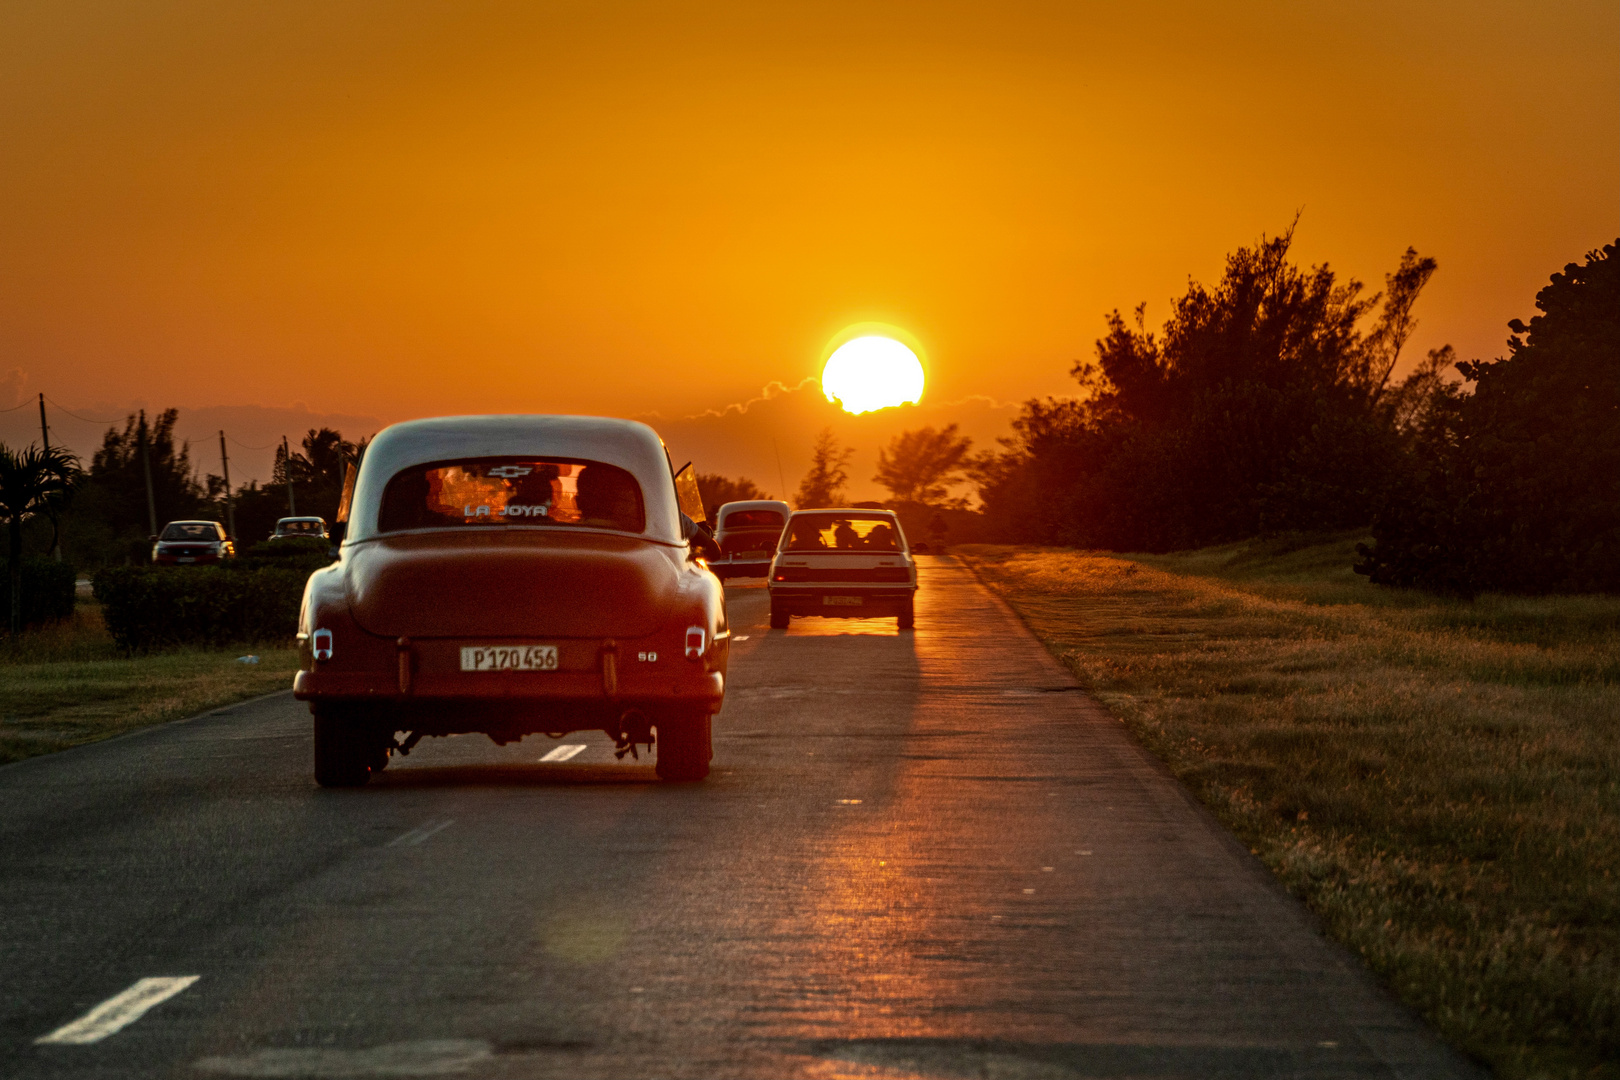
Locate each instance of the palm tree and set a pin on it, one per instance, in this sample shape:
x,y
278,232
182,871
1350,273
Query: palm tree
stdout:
x,y
29,481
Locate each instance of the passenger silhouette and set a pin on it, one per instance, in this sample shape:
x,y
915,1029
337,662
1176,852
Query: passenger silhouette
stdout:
x,y
608,498
533,491
807,537
845,536
881,538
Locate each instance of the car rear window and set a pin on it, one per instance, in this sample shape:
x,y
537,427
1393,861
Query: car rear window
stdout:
x,y
494,492
840,532
752,519
299,526
204,530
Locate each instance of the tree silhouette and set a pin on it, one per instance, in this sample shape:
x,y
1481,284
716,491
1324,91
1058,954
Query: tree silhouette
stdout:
x,y
317,473
922,465
824,484
29,480
1259,406
1516,487
719,490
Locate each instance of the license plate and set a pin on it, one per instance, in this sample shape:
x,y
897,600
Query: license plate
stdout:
x,y
509,658
185,558
843,601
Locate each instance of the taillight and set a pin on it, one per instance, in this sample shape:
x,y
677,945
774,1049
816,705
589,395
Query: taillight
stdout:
x,y
696,639
323,644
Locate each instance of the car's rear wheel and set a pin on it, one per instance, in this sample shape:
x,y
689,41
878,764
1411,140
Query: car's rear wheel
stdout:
x,y
684,746
908,616
779,617
347,748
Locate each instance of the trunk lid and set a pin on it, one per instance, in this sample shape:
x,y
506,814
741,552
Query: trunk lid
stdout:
x,y
504,584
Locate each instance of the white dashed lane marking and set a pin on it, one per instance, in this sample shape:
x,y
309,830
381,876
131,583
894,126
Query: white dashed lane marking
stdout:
x,y
420,833
117,1012
563,753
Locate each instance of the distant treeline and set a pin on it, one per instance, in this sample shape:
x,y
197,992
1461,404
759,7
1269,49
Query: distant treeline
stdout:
x,y
105,521
1263,406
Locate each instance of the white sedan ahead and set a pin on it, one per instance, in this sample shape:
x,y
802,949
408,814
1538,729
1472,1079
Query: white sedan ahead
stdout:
x,y
843,564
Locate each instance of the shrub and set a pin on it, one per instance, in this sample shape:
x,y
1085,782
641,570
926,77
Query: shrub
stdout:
x,y
47,590
291,553
147,609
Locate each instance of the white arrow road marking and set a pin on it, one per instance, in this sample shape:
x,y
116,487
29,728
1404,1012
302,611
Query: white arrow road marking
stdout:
x,y
563,753
118,1012
420,833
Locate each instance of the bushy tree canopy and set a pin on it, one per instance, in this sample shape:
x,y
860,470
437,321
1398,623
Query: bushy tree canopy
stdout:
x,y
1516,487
1258,406
923,465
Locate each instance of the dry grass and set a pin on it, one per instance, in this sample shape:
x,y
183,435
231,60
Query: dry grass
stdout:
x,y
67,684
1439,780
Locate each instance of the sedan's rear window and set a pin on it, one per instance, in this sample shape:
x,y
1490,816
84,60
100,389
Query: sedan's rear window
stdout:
x,y
752,519
493,492
191,530
840,532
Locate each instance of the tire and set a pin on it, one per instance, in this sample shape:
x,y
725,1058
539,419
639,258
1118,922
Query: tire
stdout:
x,y
779,618
684,747
347,752
908,616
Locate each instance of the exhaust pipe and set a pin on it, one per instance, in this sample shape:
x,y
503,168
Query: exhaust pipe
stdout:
x,y
634,727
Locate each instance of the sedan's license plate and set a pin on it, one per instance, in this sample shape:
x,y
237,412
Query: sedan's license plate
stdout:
x,y
509,658
186,558
843,601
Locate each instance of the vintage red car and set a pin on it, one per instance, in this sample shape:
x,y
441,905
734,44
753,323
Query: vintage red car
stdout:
x,y
513,575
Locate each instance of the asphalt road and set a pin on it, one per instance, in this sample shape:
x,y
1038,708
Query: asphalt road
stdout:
x,y
920,854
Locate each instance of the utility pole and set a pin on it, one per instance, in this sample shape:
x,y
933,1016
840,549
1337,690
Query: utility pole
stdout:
x,y
230,503
286,470
146,467
45,441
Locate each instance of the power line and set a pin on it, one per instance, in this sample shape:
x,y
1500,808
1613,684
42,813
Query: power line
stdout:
x,y
75,415
245,446
14,408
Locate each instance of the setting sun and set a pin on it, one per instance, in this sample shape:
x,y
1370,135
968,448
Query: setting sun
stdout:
x,y
870,373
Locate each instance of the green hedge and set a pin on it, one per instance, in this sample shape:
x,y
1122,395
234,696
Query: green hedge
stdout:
x,y
47,591
292,552
148,609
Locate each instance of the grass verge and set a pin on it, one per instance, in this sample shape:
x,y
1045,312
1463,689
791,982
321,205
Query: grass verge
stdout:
x,y
1438,780
67,684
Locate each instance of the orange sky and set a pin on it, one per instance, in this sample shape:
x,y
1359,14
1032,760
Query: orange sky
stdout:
x,y
395,209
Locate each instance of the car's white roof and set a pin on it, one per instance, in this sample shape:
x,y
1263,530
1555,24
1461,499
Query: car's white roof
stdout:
x,y
630,445
755,504
851,511
283,521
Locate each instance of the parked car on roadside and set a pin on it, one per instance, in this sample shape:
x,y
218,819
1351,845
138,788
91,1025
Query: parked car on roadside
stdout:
x,y
748,533
848,563
311,528
513,575
183,543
